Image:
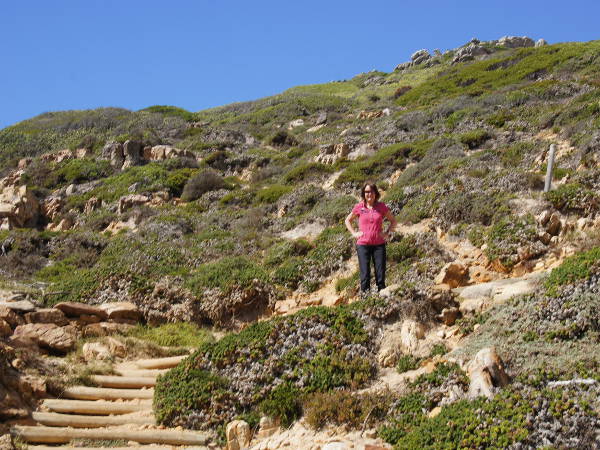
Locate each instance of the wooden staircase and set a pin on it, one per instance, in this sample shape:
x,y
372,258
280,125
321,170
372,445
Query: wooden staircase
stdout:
x,y
119,408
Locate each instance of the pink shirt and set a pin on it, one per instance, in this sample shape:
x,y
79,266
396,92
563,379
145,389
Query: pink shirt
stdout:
x,y
370,222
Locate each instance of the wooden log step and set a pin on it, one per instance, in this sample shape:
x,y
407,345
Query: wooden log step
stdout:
x,y
50,435
141,372
94,393
98,407
77,421
159,363
110,381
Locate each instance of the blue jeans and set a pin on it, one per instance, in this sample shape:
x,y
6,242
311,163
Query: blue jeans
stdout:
x,y
366,253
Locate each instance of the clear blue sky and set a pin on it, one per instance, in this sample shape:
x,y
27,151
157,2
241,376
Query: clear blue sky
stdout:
x,y
80,54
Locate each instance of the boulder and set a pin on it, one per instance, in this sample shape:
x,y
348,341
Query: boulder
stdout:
x,y
469,52
516,41
10,317
295,124
92,204
541,42
113,151
58,156
18,208
47,315
52,206
93,351
308,230
5,328
419,57
410,333
46,335
330,154
132,151
129,201
486,371
390,348
321,118
20,306
121,310
83,153
554,224
449,315
369,114
238,435
105,329
267,427
65,224
453,274
363,150
162,152
73,309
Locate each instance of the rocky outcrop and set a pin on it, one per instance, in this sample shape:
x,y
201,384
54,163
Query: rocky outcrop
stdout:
x,y
52,207
486,372
515,41
362,151
238,435
133,153
18,208
453,274
330,154
162,152
77,310
45,335
469,52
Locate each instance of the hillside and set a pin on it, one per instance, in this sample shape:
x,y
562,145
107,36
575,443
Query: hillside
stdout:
x,y
232,219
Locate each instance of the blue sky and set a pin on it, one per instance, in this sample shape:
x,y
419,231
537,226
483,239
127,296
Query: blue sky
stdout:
x,y
67,54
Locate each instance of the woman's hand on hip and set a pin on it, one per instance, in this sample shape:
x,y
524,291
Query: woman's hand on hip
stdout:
x,y
357,234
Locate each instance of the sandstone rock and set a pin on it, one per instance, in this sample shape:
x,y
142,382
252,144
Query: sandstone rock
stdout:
x,y
523,268
24,163
315,128
129,201
121,310
73,309
554,224
486,371
132,151
5,328
545,238
52,206
47,315
20,306
162,152
363,150
267,427
321,118
369,114
584,223
479,274
497,266
390,348
238,435
65,224
410,333
83,153
58,156
105,329
516,41
46,335
453,274
295,124
449,315
6,442
330,154
18,208
336,446
95,350
92,204
10,317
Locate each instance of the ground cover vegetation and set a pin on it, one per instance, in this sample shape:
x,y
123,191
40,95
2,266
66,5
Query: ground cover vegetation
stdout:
x,y
460,144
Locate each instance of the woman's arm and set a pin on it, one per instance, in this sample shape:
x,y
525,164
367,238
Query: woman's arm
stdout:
x,y
390,217
349,226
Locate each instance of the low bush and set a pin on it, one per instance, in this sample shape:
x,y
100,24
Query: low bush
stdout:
x,y
303,171
271,193
574,197
201,183
474,139
225,273
172,334
576,267
507,235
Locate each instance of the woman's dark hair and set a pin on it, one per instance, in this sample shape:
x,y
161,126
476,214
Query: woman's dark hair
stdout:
x,y
373,187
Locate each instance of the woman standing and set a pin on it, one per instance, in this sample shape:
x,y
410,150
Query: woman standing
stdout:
x,y
371,239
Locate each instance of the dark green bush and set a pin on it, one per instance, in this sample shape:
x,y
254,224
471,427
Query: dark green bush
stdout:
x,y
576,267
271,193
475,138
225,273
201,183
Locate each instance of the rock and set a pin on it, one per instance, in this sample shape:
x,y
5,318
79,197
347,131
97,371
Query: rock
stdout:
x,y
6,442
469,52
267,427
449,315
47,315
330,154
162,152
21,306
83,153
336,446
453,274
584,223
388,291
24,163
545,238
46,335
113,151
554,224
121,310
132,151
295,123
486,371
105,329
73,309
363,150
58,156
238,435
479,274
5,328
10,317
71,189
308,231
420,56
129,201
92,204
516,41
19,208
523,268
315,128
541,42
321,118
92,351
369,114
410,333
52,206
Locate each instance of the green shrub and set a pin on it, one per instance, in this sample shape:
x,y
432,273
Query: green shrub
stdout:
x,y
573,197
473,139
201,183
499,118
344,283
283,402
514,154
172,334
271,193
225,273
403,250
507,235
166,110
576,267
301,172
289,273
280,252
406,363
